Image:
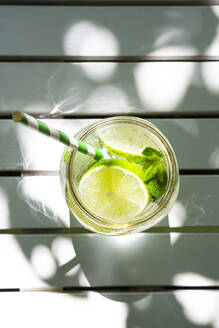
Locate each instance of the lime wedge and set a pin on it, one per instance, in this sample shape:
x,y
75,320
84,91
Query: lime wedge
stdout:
x,y
114,190
141,160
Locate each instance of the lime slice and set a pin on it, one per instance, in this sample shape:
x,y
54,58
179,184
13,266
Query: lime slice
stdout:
x,y
141,160
112,190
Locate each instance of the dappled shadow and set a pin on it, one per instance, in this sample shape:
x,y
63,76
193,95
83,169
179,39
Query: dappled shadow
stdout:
x,y
95,260
194,141
144,259
159,310
119,87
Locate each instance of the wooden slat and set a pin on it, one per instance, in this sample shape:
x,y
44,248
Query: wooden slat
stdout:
x,y
98,31
194,141
141,259
186,309
46,155
48,212
92,309
141,88
37,202
111,2
59,310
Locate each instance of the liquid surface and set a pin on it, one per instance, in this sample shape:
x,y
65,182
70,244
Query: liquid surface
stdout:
x,y
131,179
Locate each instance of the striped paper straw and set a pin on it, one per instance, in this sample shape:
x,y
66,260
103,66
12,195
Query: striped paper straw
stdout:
x,y
58,135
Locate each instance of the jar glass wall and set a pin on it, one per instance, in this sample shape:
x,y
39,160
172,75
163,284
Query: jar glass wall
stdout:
x,y
128,134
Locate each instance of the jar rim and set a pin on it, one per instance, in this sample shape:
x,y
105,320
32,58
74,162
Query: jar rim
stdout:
x,y
169,156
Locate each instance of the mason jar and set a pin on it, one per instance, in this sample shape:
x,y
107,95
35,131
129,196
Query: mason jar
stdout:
x,y
126,133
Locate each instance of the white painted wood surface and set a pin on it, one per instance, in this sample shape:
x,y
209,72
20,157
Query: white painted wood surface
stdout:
x,y
91,88
181,309
195,142
57,260
57,310
38,202
35,261
112,31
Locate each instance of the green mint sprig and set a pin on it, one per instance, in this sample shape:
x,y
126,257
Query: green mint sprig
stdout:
x,y
153,165
156,174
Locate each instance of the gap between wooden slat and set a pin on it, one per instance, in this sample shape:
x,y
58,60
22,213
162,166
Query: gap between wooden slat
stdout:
x,y
110,3
157,115
113,289
82,231
22,173
100,59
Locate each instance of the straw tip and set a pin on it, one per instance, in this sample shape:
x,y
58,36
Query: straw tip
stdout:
x,y
17,116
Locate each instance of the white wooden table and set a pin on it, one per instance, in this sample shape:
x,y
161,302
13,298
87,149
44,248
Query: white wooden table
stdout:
x,y
71,63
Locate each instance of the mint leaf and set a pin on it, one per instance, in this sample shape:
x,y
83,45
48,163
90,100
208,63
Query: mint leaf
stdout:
x,y
152,153
151,171
156,178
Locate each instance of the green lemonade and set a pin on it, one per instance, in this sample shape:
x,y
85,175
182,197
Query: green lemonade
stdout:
x,y
112,195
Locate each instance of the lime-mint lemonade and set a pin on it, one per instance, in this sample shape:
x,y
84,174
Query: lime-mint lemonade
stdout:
x,y
132,188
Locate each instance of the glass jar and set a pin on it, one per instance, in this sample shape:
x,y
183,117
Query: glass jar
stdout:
x,y
125,132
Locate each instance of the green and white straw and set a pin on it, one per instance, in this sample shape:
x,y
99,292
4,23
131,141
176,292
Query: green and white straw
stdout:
x,y
57,135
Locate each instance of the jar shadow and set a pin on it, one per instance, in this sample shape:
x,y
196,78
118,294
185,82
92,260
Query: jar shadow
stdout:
x,y
133,259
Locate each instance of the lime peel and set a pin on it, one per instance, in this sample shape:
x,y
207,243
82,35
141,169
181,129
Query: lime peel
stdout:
x,y
114,189
141,160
